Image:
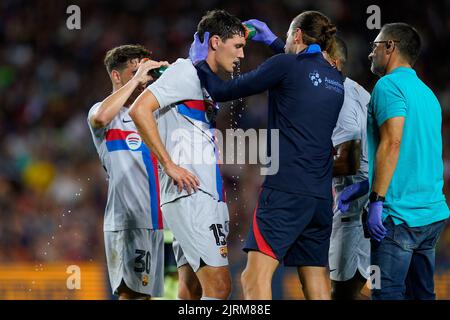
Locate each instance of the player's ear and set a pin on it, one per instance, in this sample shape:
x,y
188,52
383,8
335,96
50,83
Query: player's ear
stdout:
x,y
214,42
115,77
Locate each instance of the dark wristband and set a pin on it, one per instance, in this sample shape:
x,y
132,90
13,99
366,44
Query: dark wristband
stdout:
x,y
374,197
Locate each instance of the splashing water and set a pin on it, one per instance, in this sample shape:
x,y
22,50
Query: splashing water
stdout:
x,y
45,253
237,108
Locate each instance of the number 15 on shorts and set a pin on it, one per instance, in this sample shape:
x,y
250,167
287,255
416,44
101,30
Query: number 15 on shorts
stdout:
x,y
221,238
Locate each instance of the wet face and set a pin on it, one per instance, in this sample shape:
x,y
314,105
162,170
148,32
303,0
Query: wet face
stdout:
x,y
230,52
378,56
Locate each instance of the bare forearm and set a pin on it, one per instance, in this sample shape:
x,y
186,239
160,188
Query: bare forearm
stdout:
x,y
341,167
146,124
110,107
385,164
347,160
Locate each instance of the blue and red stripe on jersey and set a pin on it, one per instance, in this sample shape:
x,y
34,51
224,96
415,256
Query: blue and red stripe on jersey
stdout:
x,y
194,109
116,141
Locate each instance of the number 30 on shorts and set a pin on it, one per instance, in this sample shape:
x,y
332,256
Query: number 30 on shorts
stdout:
x,y
142,261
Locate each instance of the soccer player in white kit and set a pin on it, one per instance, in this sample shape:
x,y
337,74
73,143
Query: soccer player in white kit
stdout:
x,y
133,219
199,221
349,254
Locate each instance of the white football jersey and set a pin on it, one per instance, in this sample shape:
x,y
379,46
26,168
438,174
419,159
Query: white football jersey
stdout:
x,y
351,125
186,124
133,186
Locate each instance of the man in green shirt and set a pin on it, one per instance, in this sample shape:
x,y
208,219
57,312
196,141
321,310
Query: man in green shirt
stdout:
x,y
407,208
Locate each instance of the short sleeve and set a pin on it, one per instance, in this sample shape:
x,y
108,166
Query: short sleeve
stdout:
x,y
97,132
93,110
387,101
363,96
178,83
348,126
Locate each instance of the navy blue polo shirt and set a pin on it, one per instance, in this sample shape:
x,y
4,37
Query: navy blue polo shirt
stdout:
x,y
305,96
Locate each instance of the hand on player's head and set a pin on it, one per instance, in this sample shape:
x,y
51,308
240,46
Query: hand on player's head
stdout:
x,y
199,49
145,65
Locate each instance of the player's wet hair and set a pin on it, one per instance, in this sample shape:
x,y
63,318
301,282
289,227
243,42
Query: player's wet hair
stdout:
x,y
316,28
407,39
117,58
341,50
220,23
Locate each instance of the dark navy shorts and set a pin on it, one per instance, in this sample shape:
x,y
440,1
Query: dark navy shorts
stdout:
x,y
292,228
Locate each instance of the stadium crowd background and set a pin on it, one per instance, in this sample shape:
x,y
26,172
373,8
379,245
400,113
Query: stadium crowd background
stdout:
x,y
52,185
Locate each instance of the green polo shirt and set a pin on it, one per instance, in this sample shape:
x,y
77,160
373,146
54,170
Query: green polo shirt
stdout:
x,y
415,193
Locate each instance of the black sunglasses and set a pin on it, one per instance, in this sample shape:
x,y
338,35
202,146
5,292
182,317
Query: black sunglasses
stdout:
x,y
373,43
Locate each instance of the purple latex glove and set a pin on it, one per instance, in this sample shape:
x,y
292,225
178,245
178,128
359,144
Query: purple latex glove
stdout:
x,y
199,49
351,193
376,229
263,33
